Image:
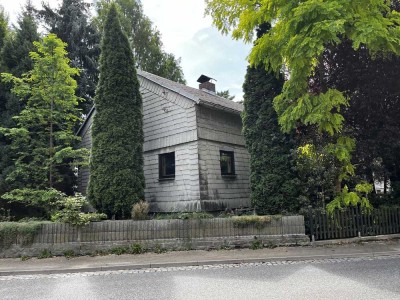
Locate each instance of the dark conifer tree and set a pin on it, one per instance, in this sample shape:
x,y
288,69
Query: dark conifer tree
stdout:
x,y
274,186
71,23
15,60
117,178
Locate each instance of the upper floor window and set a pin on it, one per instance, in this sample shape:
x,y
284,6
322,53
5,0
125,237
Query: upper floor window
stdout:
x,y
166,163
227,162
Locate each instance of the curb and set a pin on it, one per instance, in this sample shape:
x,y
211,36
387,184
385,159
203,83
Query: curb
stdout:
x,y
195,263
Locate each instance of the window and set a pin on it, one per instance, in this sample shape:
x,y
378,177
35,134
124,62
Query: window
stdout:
x,y
166,163
227,162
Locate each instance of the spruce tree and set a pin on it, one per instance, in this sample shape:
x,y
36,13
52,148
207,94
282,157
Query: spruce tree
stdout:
x,y
274,186
116,168
71,23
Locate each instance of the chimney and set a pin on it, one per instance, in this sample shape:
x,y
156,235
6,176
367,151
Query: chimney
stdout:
x,y
206,84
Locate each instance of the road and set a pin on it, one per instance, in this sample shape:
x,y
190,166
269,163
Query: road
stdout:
x,y
345,278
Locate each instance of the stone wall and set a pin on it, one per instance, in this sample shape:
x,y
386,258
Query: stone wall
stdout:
x,y
167,234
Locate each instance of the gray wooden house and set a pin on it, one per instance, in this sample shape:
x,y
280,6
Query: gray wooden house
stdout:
x,y
194,151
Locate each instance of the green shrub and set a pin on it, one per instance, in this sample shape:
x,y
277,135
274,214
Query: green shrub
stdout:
x,y
137,249
184,216
13,232
159,249
70,212
256,244
140,210
45,254
24,258
119,250
69,253
257,221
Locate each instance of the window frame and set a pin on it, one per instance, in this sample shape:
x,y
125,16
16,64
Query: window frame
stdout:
x,y
231,155
162,166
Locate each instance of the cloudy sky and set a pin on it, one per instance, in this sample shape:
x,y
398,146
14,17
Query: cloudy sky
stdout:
x,y
189,35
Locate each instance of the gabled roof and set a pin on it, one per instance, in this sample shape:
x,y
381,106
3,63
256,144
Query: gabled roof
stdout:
x,y
201,97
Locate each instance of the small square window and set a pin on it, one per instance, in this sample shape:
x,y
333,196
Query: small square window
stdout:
x,y
227,162
166,163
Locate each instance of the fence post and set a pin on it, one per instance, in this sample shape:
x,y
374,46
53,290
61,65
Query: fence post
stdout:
x,y
311,223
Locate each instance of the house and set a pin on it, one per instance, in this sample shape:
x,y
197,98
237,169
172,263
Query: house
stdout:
x,y
194,151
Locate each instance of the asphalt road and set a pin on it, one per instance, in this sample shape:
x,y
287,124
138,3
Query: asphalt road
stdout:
x,y
353,278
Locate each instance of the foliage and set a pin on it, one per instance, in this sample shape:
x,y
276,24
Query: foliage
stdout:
x,y
256,244
145,40
348,198
46,253
71,23
3,26
140,211
43,139
274,186
256,221
184,216
225,94
69,210
116,168
45,199
300,34
371,84
11,232
69,254
15,59
137,249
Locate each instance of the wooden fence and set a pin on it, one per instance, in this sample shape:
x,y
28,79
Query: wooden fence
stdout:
x,y
352,222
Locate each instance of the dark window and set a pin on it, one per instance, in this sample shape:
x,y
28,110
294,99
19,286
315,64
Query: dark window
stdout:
x,y
227,162
166,163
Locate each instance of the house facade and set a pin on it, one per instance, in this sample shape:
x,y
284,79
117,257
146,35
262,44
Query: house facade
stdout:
x,y
194,151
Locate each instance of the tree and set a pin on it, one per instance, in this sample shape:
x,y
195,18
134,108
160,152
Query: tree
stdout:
x,y
116,168
373,89
225,94
274,186
15,60
144,39
3,26
71,23
43,138
301,32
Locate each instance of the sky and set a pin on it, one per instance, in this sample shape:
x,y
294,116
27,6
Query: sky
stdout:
x,y
189,35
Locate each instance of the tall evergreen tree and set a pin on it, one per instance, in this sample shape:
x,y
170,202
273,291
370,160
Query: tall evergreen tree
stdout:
x,y
274,186
3,26
116,168
71,23
15,60
145,40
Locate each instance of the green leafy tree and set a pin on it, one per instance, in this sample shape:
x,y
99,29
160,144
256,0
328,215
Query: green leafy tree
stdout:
x,y
301,32
116,168
274,186
371,84
71,23
145,40
43,138
15,60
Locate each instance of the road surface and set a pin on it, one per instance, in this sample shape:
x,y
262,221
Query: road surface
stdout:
x,y
345,278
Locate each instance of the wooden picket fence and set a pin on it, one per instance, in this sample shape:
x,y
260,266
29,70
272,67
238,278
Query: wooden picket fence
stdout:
x,y
352,222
